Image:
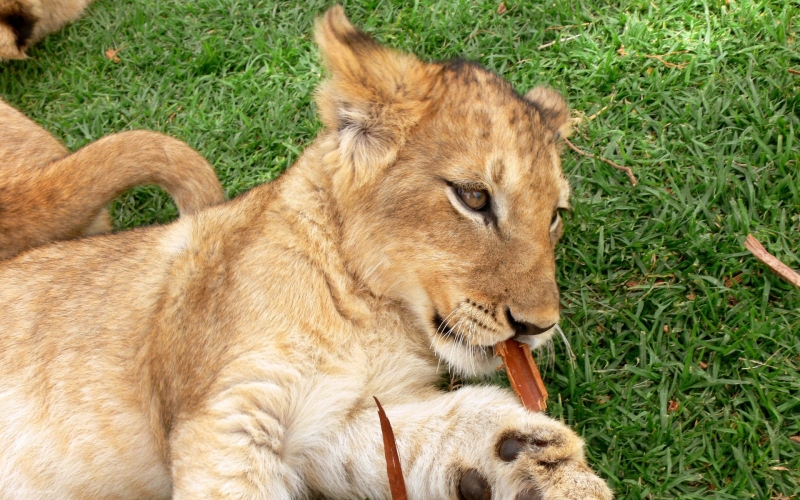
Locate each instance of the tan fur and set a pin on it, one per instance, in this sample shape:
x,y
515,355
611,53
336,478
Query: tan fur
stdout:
x,y
47,194
235,352
25,22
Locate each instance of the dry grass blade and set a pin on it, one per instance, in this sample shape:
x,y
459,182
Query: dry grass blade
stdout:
x,y
609,162
562,40
112,54
771,261
397,484
667,63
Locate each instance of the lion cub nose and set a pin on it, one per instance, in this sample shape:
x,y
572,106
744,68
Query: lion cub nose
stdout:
x,y
525,328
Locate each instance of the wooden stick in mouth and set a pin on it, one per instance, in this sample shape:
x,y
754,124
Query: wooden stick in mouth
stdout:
x,y
523,374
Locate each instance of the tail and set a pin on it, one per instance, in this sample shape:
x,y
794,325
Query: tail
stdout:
x,y
66,198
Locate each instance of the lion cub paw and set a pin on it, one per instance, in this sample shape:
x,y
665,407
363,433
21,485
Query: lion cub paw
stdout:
x,y
544,464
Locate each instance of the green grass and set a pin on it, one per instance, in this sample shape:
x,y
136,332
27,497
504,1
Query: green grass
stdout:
x,y
663,304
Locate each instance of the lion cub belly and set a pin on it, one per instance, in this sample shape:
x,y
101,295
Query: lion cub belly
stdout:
x,y
61,451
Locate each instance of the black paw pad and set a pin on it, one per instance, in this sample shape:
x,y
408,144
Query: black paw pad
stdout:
x,y
509,449
473,486
530,495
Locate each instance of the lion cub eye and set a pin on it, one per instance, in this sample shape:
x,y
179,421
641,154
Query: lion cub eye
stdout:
x,y
476,199
554,220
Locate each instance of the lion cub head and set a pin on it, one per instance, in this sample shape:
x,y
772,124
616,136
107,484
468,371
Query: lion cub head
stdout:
x,y
449,186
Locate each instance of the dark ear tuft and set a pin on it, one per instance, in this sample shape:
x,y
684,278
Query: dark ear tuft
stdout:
x,y
372,97
344,47
19,20
335,23
552,109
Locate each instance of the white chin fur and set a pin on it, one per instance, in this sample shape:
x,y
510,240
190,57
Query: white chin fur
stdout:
x,y
465,360
537,341
478,361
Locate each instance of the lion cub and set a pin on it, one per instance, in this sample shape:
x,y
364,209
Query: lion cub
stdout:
x,y
25,22
47,194
234,353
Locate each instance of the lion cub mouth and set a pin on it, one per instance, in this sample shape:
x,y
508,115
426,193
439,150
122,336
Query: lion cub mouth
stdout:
x,y
470,325
472,328
444,329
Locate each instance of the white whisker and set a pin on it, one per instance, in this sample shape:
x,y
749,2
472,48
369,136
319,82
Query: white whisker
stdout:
x,y
566,343
385,292
545,356
370,273
453,343
440,330
475,346
449,333
446,320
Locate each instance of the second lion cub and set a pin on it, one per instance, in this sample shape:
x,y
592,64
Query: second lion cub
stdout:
x,y
235,352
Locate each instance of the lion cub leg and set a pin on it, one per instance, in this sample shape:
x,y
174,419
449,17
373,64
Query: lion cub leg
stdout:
x,y
235,448
475,443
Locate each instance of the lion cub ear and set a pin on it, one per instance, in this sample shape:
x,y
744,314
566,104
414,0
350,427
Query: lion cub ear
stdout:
x,y
17,23
373,95
552,109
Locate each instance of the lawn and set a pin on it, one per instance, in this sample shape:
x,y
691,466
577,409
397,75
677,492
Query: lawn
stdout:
x,y
686,376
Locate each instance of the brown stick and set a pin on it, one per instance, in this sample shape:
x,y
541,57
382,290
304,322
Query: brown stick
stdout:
x,y
397,484
523,374
793,71
773,263
590,155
